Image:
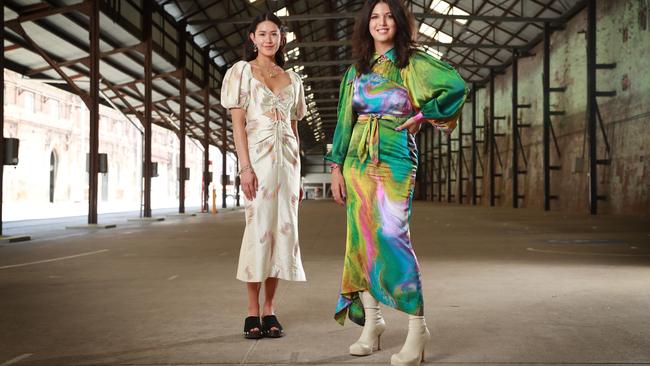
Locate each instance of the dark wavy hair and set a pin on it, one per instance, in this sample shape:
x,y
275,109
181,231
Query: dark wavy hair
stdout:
x,y
249,49
363,45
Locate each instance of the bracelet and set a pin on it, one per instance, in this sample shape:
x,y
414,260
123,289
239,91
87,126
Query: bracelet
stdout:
x,y
334,166
245,169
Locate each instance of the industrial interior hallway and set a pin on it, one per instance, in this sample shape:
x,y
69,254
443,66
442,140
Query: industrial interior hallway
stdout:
x,y
501,286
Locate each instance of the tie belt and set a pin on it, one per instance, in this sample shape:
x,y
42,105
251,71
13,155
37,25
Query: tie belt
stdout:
x,y
369,143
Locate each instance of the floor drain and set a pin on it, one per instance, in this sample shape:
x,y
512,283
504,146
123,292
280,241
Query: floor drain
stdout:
x,y
585,241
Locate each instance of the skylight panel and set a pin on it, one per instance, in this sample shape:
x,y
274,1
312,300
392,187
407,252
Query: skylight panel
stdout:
x,y
427,30
433,52
443,37
293,54
282,12
432,32
290,37
443,7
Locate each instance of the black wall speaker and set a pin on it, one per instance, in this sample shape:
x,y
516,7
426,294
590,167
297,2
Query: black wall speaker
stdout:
x,y
102,160
225,179
103,163
208,177
187,173
154,169
11,151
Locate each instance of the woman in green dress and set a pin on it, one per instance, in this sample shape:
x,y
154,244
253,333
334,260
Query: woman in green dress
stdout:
x,y
384,99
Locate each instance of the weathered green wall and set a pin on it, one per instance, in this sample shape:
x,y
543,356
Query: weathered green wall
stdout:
x,y
624,38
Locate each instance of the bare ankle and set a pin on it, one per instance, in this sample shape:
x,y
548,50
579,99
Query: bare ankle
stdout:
x,y
268,310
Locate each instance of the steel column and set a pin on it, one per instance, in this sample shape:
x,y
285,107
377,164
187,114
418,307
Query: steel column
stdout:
x,y
591,106
182,116
182,139
93,156
448,168
515,130
474,150
419,176
206,129
439,165
425,170
546,84
492,142
146,38
432,160
224,151
237,180
2,111
459,178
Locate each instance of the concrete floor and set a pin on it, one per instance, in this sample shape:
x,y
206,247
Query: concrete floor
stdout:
x,y
502,286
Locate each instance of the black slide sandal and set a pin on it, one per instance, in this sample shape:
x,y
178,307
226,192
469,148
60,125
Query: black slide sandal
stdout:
x,y
251,323
269,322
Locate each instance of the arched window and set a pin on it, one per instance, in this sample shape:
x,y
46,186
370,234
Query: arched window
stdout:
x,y
53,168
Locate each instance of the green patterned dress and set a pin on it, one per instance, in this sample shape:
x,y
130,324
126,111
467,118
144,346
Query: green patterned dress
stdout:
x,y
379,166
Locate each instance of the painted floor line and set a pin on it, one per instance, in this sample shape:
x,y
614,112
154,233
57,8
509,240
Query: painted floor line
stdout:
x,y
581,253
252,347
17,359
58,238
249,352
53,260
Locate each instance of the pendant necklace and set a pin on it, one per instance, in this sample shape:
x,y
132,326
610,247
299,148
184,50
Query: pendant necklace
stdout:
x,y
272,73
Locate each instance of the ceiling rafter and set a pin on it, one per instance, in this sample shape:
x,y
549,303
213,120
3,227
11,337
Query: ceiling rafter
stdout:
x,y
483,41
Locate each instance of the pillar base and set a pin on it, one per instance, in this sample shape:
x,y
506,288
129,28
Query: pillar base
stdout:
x,y
92,226
146,219
182,214
14,239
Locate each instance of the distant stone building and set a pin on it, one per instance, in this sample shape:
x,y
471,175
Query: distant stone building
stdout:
x,y
50,179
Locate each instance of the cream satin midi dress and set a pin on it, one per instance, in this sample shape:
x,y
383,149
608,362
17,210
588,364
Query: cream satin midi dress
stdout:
x,y
270,245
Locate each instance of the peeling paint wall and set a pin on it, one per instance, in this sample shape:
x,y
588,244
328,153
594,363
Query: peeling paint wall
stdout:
x,y
623,38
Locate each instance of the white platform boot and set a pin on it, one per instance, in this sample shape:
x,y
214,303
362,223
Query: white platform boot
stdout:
x,y
372,329
412,352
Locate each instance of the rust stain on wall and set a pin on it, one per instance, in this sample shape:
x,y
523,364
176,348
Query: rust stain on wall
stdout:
x,y
625,82
643,14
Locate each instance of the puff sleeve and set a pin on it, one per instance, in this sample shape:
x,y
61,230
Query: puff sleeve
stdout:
x,y
299,107
345,119
437,91
235,87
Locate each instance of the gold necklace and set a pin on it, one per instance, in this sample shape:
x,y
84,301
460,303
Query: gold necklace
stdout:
x,y
272,72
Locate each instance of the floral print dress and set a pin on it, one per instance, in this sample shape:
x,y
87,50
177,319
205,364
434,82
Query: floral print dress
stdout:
x,y
270,243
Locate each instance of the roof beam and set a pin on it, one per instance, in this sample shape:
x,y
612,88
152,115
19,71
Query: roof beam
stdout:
x,y
172,73
85,60
50,59
325,16
346,42
46,10
350,62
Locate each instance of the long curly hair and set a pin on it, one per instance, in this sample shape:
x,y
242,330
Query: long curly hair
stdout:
x,y
363,43
250,52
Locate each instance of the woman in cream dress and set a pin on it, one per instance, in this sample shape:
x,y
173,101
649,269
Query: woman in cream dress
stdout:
x,y
266,103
